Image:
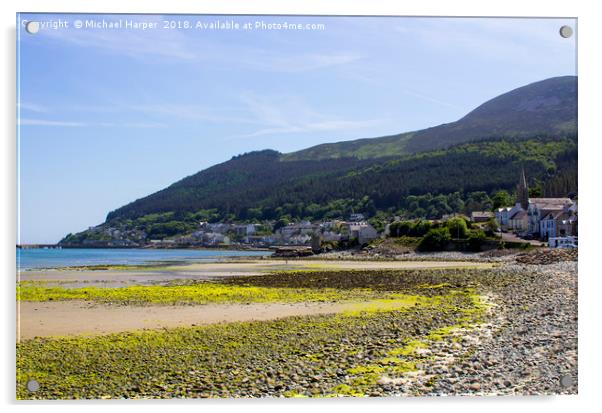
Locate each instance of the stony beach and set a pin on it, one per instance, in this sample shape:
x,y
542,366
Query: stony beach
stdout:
x,y
505,328
529,345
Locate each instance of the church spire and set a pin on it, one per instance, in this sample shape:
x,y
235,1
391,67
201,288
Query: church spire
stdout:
x,y
522,191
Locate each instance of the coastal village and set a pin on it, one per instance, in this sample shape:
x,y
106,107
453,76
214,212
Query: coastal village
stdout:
x,y
553,220
355,230
547,221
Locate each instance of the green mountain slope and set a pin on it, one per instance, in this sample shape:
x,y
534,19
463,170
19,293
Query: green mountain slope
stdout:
x,y
366,148
547,107
248,177
375,176
260,186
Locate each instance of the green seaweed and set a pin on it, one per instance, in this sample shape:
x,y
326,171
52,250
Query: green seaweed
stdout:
x,y
310,356
199,293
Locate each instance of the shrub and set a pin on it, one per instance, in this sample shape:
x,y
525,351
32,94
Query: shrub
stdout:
x,y
491,227
417,228
475,240
167,229
457,227
421,228
435,240
400,228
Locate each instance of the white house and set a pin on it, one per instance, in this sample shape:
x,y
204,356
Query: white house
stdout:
x,y
363,231
558,224
251,229
540,207
547,225
302,228
518,221
503,215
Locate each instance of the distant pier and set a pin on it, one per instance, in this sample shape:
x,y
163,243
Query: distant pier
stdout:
x,y
38,246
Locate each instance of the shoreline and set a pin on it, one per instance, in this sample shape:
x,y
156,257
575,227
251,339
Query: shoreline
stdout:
x,y
228,268
144,247
142,261
503,328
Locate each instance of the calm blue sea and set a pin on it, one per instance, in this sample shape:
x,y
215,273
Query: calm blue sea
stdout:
x,y
51,258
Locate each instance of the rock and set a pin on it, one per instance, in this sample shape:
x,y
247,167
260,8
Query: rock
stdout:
x,y
548,256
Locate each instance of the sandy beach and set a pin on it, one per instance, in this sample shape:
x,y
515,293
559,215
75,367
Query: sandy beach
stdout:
x,y
63,318
69,318
388,328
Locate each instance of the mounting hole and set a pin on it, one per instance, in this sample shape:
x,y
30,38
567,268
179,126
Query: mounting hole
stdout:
x,y
566,31
32,27
33,385
566,381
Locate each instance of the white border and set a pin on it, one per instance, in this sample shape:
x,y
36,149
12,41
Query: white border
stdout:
x,y
589,194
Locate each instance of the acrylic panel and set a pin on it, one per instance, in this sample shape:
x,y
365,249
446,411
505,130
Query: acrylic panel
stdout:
x,y
246,206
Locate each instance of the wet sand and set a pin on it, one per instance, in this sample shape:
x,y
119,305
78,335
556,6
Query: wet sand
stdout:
x,y
68,318
216,270
61,318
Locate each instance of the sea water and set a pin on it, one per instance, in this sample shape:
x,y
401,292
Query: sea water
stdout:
x,y
68,257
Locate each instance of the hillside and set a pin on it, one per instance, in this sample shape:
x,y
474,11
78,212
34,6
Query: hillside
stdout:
x,y
249,177
261,187
547,107
460,172
365,148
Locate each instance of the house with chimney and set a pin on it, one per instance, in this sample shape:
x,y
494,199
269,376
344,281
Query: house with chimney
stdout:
x,y
539,217
558,224
543,214
512,218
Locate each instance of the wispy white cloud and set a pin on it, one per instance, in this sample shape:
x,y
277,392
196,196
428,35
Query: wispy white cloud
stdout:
x,y
503,39
430,99
145,125
285,114
32,107
331,125
43,122
190,112
132,43
270,115
147,115
68,124
178,46
293,63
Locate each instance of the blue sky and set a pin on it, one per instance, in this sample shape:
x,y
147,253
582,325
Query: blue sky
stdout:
x,y
107,116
